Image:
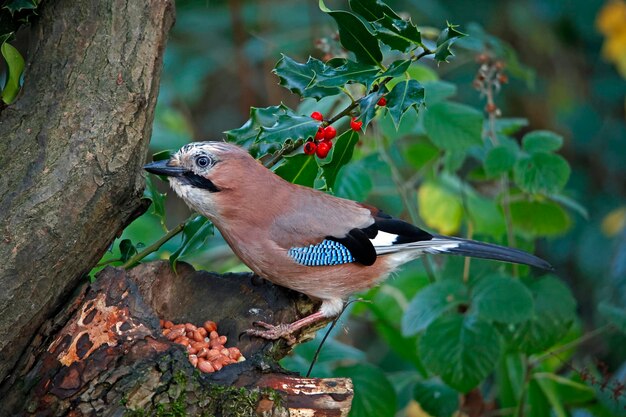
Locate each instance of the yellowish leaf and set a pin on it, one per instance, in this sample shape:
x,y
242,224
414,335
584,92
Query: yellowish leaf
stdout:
x,y
440,209
614,222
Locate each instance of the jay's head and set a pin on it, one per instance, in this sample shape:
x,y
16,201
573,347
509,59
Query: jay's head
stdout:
x,y
202,173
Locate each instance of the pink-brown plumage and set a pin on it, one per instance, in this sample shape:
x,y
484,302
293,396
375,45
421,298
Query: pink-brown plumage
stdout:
x,y
263,217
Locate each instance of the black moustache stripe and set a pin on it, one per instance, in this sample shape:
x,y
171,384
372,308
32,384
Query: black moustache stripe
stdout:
x,y
199,181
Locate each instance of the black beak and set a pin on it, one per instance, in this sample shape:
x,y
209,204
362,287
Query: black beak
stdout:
x,y
162,168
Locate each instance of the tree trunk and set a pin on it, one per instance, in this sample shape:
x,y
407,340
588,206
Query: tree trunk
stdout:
x,y
71,151
105,355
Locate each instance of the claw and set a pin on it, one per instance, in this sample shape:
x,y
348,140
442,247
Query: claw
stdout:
x,y
280,331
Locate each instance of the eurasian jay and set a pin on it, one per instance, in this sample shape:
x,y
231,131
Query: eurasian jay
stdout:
x,y
267,222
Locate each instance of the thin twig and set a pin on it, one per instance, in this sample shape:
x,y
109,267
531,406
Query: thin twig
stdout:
x,y
563,348
154,247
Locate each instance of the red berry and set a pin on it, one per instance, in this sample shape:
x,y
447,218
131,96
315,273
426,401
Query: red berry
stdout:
x,y
382,101
320,134
323,148
355,125
309,148
329,132
317,116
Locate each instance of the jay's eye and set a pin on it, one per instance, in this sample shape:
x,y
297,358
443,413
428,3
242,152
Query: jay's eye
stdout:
x,y
202,161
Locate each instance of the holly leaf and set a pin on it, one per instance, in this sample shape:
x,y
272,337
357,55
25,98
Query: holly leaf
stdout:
x,y
372,10
396,69
157,198
247,134
289,126
446,38
127,250
195,234
403,96
348,72
301,78
462,349
368,106
541,172
356,35
298,169
399,34
15,67
341,154
18,5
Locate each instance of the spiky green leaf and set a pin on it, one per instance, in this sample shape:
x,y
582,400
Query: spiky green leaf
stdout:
x,y
356,35
445,40
403,96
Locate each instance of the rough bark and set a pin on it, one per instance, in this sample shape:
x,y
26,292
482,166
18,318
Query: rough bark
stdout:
x,y
104,354
71,150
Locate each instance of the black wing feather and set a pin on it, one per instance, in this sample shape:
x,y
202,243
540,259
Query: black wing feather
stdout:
x,y
359,245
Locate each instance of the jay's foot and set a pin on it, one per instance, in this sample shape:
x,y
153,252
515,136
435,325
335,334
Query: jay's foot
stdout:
x,y
273,332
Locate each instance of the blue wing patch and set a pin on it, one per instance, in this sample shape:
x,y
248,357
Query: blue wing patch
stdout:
x,y
327,252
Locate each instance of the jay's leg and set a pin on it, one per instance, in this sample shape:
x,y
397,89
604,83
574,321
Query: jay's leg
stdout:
x,y
329,308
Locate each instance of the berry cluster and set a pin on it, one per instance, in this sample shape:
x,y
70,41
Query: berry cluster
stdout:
x,y
322,143
489,80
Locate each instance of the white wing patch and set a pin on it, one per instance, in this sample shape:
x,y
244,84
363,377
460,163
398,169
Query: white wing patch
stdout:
x,y
384,239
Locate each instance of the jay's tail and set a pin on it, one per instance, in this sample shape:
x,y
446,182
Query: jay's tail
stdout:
x,y
465,247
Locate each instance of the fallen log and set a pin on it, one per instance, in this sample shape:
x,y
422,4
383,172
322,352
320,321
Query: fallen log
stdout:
x,y
105,353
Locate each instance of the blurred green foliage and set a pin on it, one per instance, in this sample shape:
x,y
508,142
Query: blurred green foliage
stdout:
x,y
534,160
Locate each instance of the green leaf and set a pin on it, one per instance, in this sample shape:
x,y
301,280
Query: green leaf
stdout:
x,y
499,160
569,391
446,38
453,126
501,298
348,72
18,5
541,172
127,250
195,233
571,204
301,78
615,315
15,67
247,135
157,198
287,127
539,218
403,96
298,169
541,141
399,34
437,91
354,182
436,399
373,393
463,350
430,303
372,10
396,69
341,154
440,208
510,125
356,35
368,106
554,312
